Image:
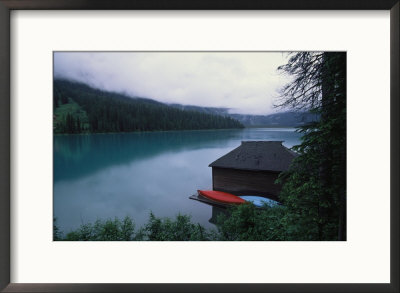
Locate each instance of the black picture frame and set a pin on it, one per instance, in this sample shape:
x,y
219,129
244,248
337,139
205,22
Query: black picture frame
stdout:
x,y
5,174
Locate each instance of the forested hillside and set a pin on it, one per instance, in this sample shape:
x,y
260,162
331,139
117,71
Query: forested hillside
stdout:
x,y
282,119
291,119
79,108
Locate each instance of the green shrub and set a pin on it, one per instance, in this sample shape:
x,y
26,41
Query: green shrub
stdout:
x,y
57,235
180,229
156,229
108,230
244,222
248,223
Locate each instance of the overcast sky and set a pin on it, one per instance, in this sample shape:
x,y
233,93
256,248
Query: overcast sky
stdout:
x,y
247,83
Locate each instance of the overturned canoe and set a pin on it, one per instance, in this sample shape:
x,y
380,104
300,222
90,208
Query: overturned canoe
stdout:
x,y
220,196
259,201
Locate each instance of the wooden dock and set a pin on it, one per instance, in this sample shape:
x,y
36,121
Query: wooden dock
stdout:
x,y
208,201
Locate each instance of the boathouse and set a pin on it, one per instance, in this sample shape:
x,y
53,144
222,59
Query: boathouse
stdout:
x,y
252,168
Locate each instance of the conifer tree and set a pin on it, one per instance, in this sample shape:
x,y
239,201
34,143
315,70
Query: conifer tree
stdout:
x,y
314,189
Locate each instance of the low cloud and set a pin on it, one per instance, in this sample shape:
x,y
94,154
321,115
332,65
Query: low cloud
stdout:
x,y
246,83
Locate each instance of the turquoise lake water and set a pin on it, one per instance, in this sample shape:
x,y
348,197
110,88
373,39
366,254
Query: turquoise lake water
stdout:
x,y
101,176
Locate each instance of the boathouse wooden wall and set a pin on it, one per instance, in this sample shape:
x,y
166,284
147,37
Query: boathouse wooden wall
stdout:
x,y
246,182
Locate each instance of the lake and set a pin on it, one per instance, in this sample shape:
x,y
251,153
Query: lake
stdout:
x,y
101,176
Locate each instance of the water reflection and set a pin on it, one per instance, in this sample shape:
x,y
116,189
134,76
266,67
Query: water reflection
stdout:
x,y
115,175
79,155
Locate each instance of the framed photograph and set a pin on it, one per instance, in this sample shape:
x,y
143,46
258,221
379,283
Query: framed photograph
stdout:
x,y
199,147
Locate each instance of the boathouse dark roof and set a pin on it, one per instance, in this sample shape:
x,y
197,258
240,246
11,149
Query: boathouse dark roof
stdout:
x,y
258,156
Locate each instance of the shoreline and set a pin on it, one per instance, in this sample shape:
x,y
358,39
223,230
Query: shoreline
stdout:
x,y
185,130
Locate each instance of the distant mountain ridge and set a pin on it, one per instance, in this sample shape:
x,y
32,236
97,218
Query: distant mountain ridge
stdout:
x,y
291,119
282,119
207,110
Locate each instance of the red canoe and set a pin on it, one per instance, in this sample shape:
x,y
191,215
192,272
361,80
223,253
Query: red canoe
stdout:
x,y
220,196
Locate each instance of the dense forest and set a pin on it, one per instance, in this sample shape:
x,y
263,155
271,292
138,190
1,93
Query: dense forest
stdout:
x,y
79,108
